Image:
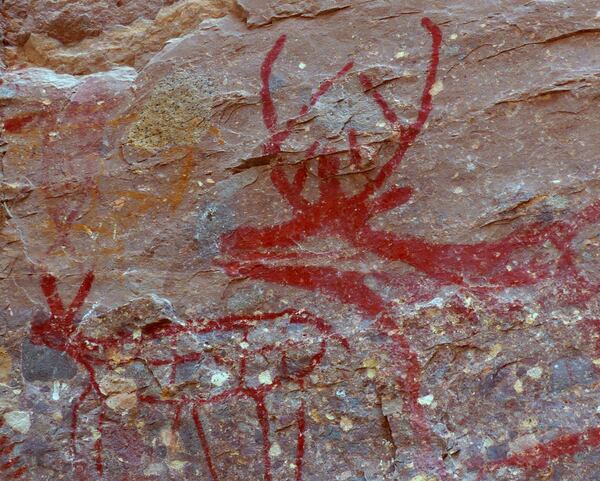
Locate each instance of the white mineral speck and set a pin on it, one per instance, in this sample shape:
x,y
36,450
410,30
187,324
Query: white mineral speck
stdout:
x,y
518,386
346,424
265,377
20,421
219,378
275,450
436,88
56,390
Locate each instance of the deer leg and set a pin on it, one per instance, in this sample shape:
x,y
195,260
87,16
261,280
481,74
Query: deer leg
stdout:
x,y
98,443
300,446
263,420
410,386
79,466
349,287
75,417
204,443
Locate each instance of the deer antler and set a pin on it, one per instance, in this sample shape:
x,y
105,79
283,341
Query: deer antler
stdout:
x,y
61,320
407,135
293,192
334,210
273,145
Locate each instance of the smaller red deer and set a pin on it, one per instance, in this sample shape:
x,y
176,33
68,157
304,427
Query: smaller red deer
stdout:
x,y
60,332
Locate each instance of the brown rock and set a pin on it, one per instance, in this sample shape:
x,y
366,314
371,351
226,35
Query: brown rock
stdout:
x,y
92,47
305,240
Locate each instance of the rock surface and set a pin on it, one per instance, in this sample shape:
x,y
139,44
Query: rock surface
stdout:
x,y
302,240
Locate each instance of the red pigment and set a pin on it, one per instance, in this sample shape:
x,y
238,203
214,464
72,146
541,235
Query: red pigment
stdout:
x,y
9,466
540,455
16,124
59,332
258,252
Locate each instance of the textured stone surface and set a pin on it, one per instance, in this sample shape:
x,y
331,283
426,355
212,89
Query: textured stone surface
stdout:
x,y
309,241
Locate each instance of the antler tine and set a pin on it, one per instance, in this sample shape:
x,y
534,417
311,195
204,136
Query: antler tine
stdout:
x,y
57,309
325,86
269,113
48,285
329,184
390,199
302,173
408,135
426,97
289,192
386,110
354,148
268,108
82,293
292,192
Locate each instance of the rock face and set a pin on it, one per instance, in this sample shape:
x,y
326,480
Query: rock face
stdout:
x,y
310,241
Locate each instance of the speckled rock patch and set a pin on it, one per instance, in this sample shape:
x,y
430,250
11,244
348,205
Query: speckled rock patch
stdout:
x,y
174,114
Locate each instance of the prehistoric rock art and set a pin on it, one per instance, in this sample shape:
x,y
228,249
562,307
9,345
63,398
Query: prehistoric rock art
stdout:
x,y
312,341
261,253
59,332
12,467
334,213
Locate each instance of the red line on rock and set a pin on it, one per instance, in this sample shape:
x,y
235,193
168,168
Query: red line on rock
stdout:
x,y
301,421
205,446
540,455
263,420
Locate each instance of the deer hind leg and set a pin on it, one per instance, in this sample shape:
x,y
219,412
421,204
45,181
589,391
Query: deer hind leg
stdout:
x,y
205,445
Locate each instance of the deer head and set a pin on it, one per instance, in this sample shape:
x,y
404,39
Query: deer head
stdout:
x,y
334,212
